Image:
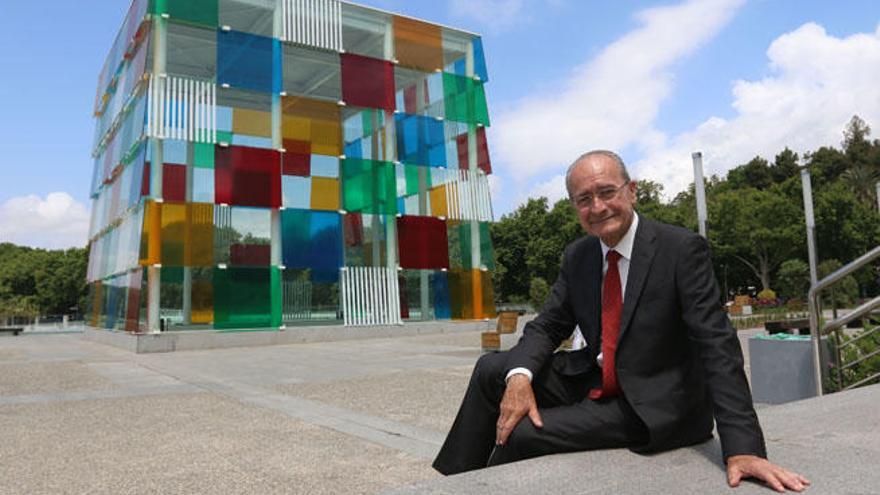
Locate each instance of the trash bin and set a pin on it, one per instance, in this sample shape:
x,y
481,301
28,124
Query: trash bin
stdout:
x,y
781,366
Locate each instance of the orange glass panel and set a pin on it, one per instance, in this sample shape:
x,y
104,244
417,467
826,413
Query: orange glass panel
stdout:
x,y
312,121
325,194
418,44
97,308
251,122
173,233
151,235
439,207
200,241
488,295
461,294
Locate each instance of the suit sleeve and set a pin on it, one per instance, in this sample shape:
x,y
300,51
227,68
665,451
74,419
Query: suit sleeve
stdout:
x,y
719,351
554,324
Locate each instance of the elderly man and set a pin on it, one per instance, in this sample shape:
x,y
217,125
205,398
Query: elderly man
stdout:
x,y
661,355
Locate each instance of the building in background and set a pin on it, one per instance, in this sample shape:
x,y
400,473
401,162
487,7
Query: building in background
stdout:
x,y
263,163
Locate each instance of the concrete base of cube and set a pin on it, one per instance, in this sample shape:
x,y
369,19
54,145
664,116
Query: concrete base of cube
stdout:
x,y
782,370
192,340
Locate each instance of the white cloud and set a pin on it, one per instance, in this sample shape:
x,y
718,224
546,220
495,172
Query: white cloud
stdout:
x,y
58,221
495,15
817,83
611,101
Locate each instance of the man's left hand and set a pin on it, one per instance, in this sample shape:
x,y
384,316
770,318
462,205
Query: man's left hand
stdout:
x,y
750,466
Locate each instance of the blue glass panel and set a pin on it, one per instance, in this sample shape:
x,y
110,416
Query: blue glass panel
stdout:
x,y
325,166
203,185
296,192
249,61
442,308
174,151
480,60
311,239
420,140
224,119
252,141
134,194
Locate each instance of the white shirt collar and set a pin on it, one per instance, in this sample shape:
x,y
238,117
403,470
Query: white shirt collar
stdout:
x,y
625,246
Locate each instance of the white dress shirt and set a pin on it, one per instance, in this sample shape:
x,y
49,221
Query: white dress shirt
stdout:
x,y
624,247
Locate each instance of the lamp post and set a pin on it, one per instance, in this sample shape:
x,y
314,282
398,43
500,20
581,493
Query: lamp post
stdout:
x,y
700,191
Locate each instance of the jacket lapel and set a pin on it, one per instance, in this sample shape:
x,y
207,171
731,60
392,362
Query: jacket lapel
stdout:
x,y
642,256
593,309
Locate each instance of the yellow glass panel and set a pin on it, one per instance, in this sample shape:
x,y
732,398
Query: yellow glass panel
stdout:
x,y
477,293
325,194
418,44
461,294
488,302
314,121
173,233
438,202
151,237
203,301
251,122
97,304
200,242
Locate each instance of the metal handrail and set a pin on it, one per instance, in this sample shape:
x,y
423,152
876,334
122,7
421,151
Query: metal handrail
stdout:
x,y
816,332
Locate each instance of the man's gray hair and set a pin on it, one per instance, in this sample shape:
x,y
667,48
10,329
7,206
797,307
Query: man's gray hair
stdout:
x,y
610,154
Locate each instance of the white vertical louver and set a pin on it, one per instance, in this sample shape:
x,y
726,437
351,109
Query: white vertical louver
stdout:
x,y
370,296
182,108
316,23
467,195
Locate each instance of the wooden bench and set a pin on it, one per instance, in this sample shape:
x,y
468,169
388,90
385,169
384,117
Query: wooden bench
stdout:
x,y
493,341
778,326
13,330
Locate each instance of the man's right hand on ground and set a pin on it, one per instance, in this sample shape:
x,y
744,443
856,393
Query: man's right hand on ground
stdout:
x,y
518,401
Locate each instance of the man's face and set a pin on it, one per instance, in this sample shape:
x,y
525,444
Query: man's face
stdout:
x,y
603,199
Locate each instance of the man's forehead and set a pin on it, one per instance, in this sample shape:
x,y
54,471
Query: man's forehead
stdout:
x,y
597,167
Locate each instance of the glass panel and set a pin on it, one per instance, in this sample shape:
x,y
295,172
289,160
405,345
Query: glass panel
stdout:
x,y
247,176
461,295
369,186
242,297
439,206
367,82
325,166
325,194
250,16
174,182
151,238
242,235
297,191
488,301
310,126
364,31
133,302
420,140
461,145
171,295
201,12
203,155
251,122
192,51
173,234
418,44
419,93
480,60
249,61
311,239
245,117
465,100
455,48
203,185
368,133
364,237
440,284
460,245
310,295
202,295
200,242
422,242
295,163
311,73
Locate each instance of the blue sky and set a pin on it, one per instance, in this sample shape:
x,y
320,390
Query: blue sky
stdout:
x,y
653,80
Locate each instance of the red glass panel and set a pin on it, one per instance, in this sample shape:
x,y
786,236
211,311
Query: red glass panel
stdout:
x,y
353,225
145,181
422,242
295,163
367,82
483,162
174,182
132,308
250,254
404,301
246,176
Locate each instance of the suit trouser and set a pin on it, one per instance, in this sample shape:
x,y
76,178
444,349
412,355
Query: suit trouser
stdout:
x,y
572,422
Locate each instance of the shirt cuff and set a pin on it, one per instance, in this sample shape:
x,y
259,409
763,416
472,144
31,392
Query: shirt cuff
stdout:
x,y
519,371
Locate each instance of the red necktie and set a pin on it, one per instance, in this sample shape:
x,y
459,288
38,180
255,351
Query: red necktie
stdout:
x,y
612,304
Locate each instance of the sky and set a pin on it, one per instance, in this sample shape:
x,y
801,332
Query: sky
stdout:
x,y
653,80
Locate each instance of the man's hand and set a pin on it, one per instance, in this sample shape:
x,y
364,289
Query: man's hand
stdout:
x,y
750,466
518,401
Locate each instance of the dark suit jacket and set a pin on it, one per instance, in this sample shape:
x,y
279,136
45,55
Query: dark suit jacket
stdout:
x,y
678,358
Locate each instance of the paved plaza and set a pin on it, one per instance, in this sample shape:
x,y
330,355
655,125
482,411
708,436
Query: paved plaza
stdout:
x,y
360,416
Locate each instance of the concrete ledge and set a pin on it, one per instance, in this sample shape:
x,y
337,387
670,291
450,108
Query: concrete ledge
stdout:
x,y
833,440
193,340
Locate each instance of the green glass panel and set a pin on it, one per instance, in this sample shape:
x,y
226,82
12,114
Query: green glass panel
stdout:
x,y
412,179
242,297
200,12
277,293
203,155
224,137
464,100
369,186
487,255
367,122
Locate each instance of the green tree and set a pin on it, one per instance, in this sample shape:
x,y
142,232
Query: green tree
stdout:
x,y
846,292
785,166
538,292
793,279
756,173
